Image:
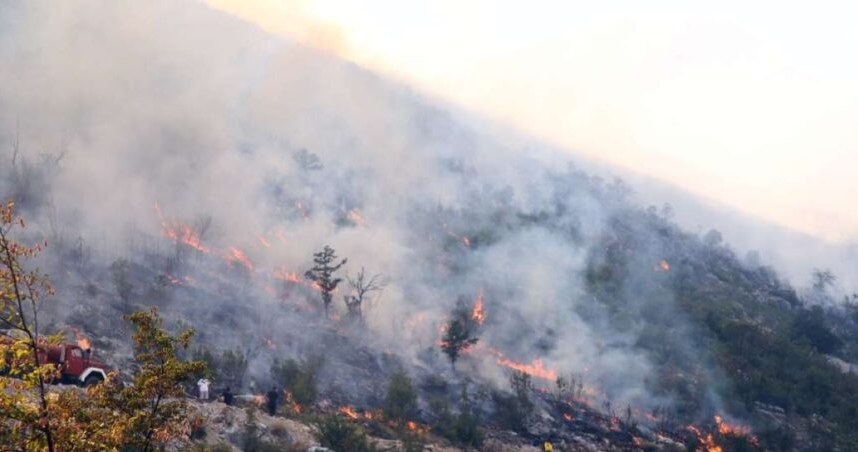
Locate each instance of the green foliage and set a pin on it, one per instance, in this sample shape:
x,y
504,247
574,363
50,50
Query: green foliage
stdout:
x,y
322,274
463,427
298,378
401,400
513,411
232,368
343,436
154,403
459,334
810,327
211,363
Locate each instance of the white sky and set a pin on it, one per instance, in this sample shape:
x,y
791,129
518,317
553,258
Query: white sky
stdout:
x,y
752,104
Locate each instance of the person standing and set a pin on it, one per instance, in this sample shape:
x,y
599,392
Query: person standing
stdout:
x,y
203,388
272,397
227,396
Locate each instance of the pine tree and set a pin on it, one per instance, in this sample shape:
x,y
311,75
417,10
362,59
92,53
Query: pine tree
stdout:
x,y
459,334
323,274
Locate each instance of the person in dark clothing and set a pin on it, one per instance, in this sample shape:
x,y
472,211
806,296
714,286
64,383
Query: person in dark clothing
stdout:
x,y
272,397
228,398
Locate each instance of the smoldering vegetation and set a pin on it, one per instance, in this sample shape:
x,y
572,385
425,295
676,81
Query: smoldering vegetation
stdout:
x,y
175,157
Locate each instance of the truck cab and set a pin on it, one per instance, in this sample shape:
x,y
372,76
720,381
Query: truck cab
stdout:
x,y
75,364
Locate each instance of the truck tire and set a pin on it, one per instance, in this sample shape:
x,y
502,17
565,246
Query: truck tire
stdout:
x,y
92,380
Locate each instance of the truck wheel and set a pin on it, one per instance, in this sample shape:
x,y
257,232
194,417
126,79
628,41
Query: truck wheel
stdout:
x,y
92,380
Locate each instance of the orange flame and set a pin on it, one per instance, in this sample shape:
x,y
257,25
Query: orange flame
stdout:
x,y
263,241
235,255
708,441
82,341
478,314
356,218
534,369
348,412
417,428
662,266
288,276
292,277
180,233
725,428
290,401
351,413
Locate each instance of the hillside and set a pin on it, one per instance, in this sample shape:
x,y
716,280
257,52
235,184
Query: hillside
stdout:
x,y
203,167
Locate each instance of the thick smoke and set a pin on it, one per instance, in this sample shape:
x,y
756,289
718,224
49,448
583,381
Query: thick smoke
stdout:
x,y
134,118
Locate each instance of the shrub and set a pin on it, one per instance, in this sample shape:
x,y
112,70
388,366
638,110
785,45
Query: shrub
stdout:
x,y
401,400
297,378
342,436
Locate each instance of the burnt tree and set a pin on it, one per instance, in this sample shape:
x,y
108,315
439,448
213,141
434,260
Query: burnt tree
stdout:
x,y
361,288
322,274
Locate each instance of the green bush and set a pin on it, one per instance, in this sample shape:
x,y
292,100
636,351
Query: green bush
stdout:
x,y
343,436
298,378
401,400
462,428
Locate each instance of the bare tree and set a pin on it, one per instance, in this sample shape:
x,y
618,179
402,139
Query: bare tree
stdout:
x,y
323,274
361,288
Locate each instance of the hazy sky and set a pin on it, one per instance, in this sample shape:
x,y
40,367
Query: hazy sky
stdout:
x,y
753,104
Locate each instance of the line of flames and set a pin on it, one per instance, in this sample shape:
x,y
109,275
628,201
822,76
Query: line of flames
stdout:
x,y
376,415
708,441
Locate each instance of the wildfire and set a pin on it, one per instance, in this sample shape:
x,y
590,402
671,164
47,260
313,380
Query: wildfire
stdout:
x,y
291,403
415,321
263,241
259,399
287,276
235,255
351,413
417,428
478,314
568,417
725,428
355,217
708,441
534,369
180,233
294,278
662,266
348,412
82,341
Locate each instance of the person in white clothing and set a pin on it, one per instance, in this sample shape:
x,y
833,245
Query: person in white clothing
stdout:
x,y
203,386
